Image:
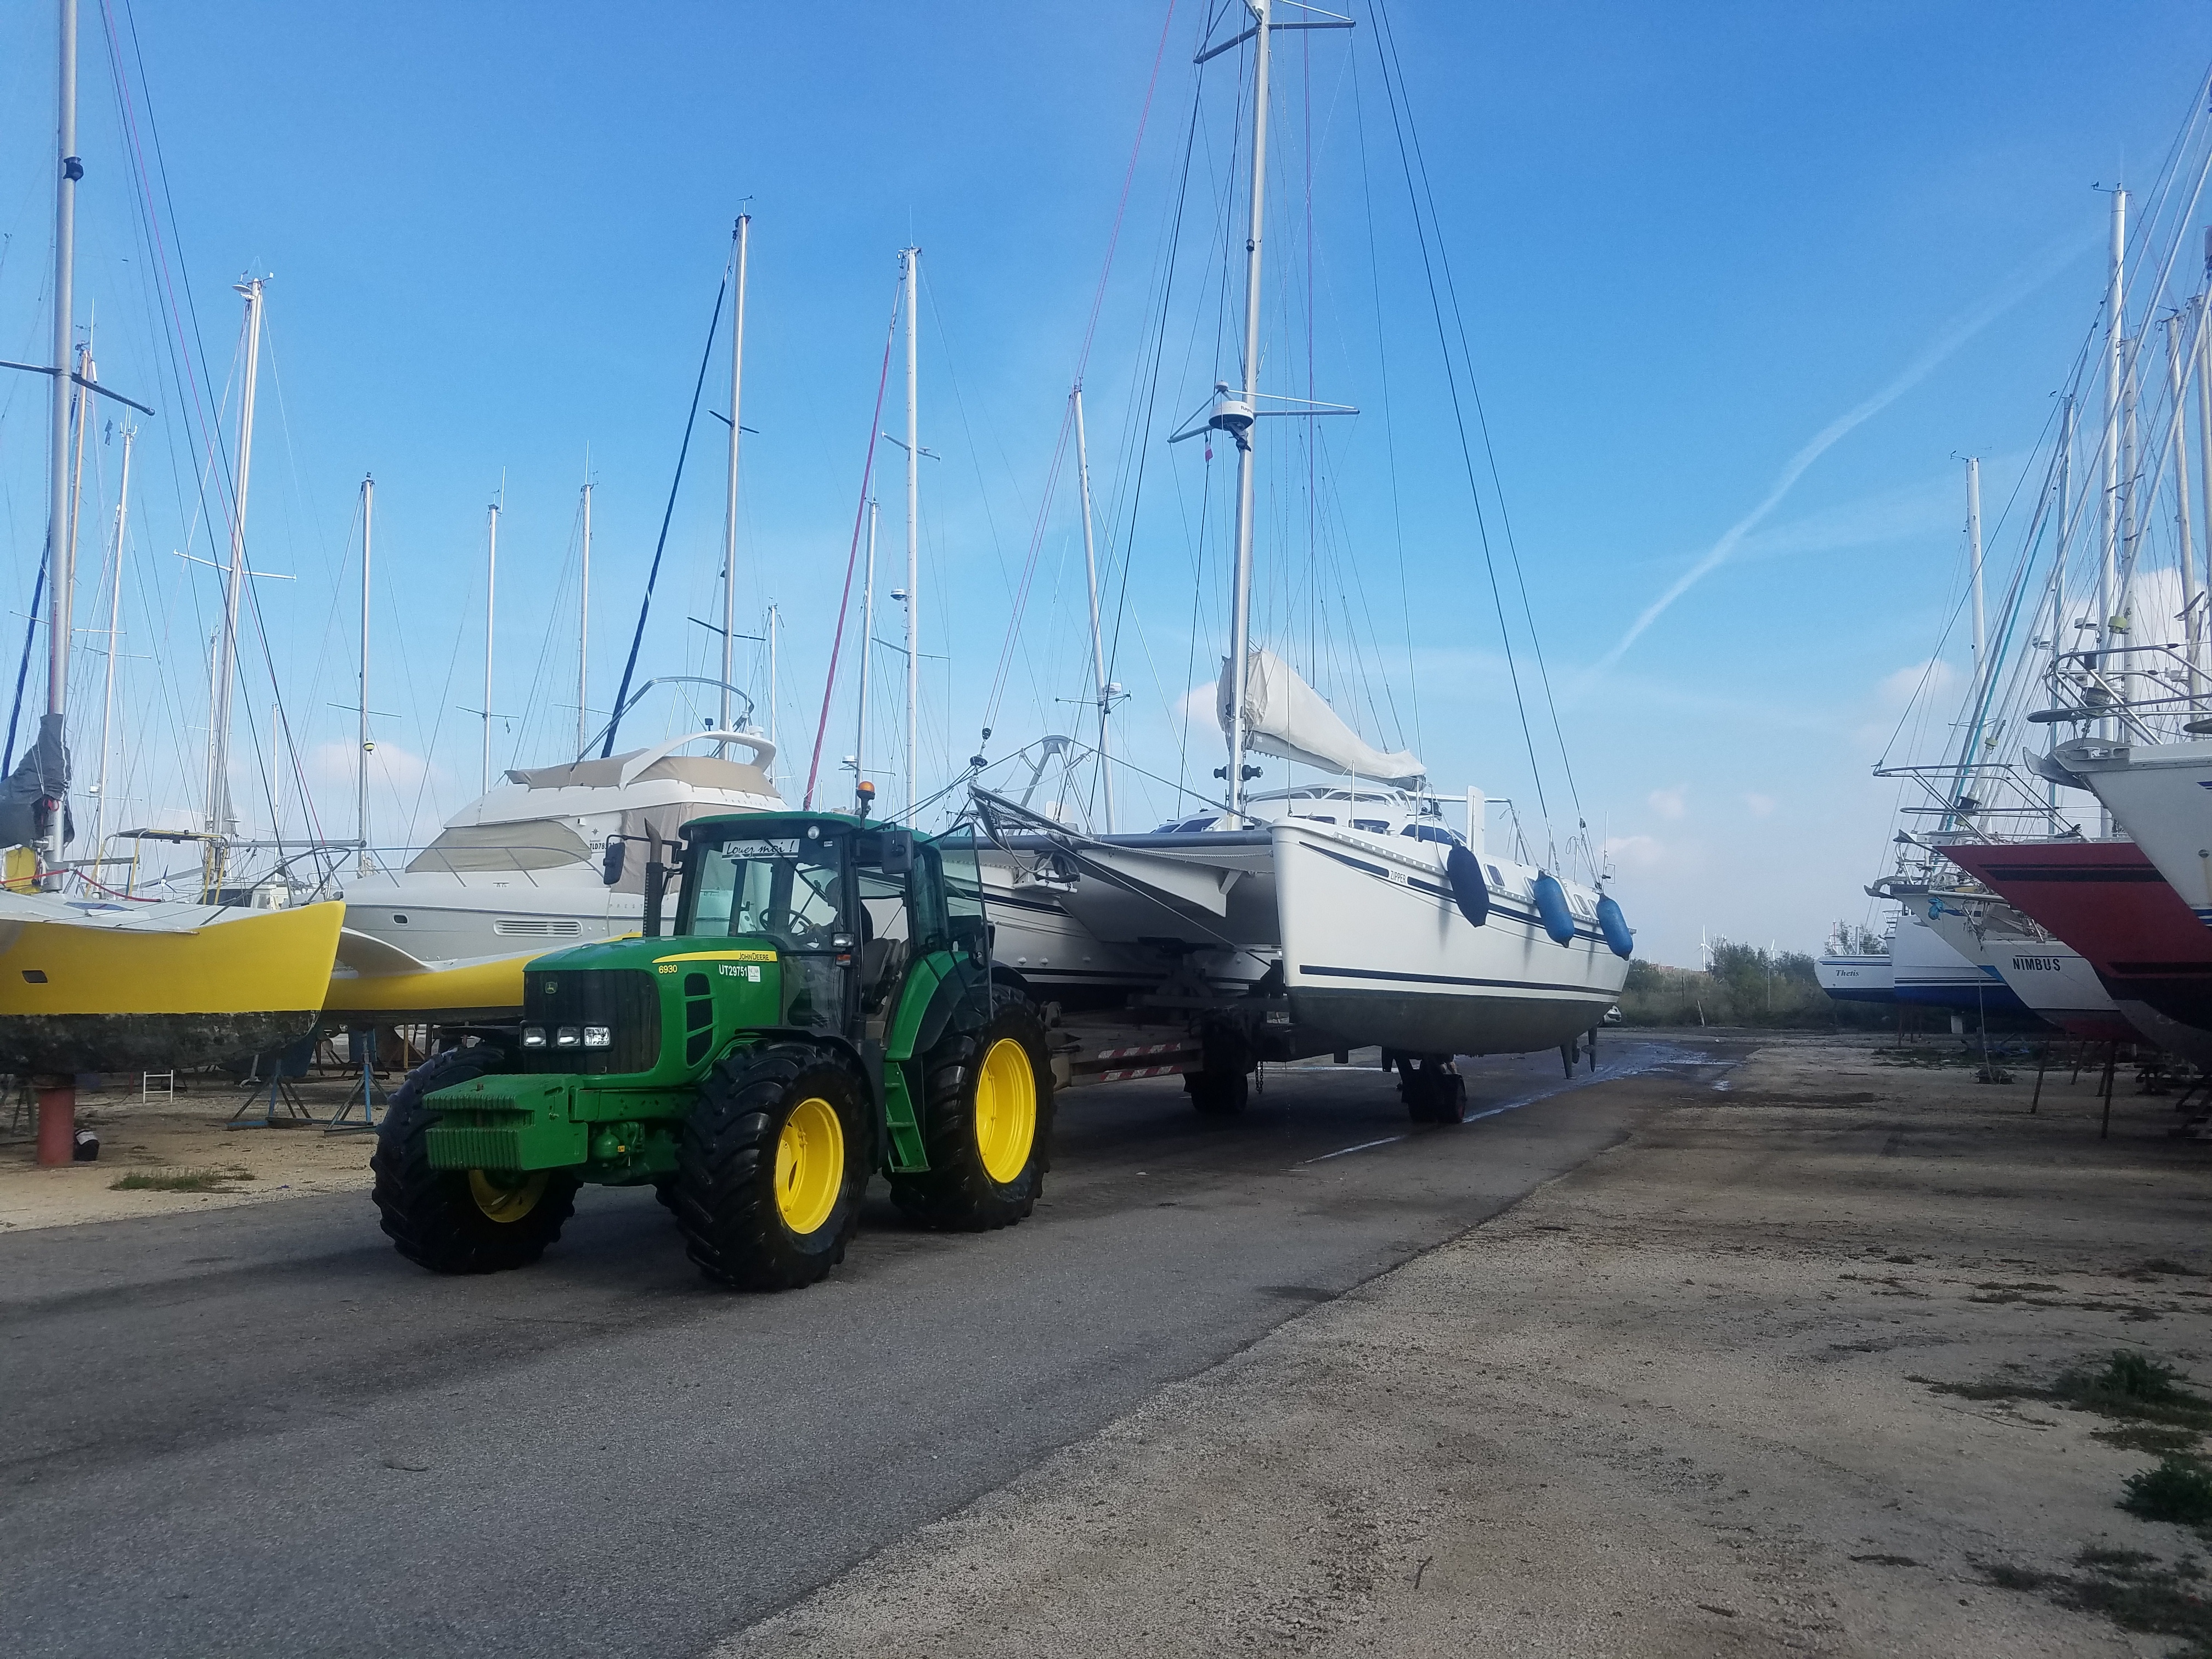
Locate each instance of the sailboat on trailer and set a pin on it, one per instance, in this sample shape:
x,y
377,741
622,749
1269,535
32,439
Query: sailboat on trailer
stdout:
x,y
1382,925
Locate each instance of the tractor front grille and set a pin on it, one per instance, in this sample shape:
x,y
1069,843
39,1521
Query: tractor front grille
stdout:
x,y
457,1147
626,1000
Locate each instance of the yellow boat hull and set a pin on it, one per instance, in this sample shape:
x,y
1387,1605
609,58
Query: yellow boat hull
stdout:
x,y
94,999
437,995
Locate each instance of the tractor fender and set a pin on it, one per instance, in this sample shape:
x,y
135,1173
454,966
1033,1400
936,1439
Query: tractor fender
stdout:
x,y
959,986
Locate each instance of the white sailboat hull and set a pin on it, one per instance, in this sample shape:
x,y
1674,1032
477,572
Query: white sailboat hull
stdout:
x,y
1376,950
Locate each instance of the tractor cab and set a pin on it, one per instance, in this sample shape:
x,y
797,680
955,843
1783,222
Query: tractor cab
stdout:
x,y
848,908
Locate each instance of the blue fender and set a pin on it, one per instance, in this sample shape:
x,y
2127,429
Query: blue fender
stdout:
x,y
1552,906
1469,890
1618,935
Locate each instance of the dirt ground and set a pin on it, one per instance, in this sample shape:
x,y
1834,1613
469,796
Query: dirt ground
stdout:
x,y
183,1134
1677,1402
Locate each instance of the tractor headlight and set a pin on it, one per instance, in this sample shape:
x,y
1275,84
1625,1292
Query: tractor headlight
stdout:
x,y
598,1036
566,1037
533,1037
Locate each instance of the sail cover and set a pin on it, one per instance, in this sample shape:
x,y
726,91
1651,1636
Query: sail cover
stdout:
x,y
1286,717
42,775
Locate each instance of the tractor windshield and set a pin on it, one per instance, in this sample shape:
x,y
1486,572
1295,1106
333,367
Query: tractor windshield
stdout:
x,y
785,886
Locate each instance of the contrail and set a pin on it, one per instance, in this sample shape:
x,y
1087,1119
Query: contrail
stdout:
x,y
2055,259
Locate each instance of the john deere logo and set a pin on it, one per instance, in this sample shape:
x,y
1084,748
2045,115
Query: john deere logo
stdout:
x,y
552,986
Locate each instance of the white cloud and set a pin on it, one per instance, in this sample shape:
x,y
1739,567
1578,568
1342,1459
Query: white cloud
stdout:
x,y
1760,805
1934,679
1636,853
1670,804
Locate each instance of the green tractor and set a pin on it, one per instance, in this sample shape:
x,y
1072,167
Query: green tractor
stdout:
x,y
824,1009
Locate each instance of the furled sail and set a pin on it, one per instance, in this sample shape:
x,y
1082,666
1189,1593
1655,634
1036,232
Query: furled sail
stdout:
x,y
1286,717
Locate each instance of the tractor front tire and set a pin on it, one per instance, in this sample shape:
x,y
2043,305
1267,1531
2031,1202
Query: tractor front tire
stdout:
x,y
771,1166
460,1221
987,1123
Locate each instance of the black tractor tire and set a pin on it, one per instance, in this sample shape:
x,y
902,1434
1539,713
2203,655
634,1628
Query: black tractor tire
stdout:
x,y
1433,1093
1218,1094
742,1230
960,1192
460,1221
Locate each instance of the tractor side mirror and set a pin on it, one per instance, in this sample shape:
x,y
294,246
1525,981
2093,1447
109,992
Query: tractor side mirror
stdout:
x,y
610,862
897,851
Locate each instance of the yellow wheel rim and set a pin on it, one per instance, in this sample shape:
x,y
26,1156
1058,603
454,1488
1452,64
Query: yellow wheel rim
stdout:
x,y
1006,1111
810,1165
504,1195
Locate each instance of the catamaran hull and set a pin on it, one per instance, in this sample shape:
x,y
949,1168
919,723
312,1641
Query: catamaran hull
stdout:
x,y
116,999
1376,950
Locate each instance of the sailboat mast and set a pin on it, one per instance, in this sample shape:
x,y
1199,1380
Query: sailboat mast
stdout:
x,y
1974,567
2058,642
1240,624
867,652
68,172
492,588
1097,638
774,620
912,258
360,754
2185,545
730,510
221,820
2108,508
114,632
584,634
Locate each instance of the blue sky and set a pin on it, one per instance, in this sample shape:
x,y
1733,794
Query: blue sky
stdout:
x,y
1685,243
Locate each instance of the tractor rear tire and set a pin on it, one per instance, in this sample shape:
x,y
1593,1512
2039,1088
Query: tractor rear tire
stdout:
x,y
460,1221
987,1123
770,1167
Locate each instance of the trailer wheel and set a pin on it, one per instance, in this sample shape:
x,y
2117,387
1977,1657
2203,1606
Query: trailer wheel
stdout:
x,y
1218,1094
987,1123
460,1221
770,1167
1433,1093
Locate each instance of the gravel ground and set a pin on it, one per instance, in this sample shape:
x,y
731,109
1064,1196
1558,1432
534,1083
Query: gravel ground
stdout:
x,y
1669,1404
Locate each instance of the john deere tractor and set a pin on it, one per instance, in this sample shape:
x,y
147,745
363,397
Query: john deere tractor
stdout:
x,y
823,1009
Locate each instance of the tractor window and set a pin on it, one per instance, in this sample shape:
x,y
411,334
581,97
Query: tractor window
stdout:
x,y
963,893
786,887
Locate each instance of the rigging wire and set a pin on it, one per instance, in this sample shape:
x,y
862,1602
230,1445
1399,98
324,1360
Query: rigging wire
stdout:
x,y
652,575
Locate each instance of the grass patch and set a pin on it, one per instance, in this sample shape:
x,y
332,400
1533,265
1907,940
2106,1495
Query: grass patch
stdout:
x,y
2179,1489
178,1180
2135,1590
2156,1438
2158,1412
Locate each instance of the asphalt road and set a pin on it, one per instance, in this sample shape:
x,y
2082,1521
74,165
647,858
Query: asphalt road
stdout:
x,y
258,1430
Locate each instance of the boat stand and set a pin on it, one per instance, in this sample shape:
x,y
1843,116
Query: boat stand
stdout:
x,y
363,1042
283,1069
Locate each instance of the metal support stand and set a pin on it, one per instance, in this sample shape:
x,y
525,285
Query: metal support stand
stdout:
x,y
364,1091
2112,1060
2042,1059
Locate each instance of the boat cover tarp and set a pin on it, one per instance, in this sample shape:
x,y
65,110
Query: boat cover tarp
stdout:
x,y
1286,718
42,774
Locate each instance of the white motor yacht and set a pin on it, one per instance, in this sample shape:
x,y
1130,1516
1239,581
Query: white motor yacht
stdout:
x,y
555,855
